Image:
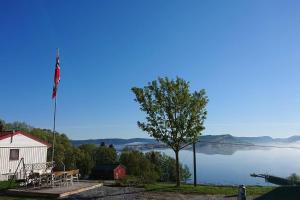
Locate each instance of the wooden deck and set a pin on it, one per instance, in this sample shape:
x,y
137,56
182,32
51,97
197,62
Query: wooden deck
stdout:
x,y
55,192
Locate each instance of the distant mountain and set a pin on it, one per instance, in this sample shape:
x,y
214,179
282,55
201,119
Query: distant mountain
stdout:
x,y
115,141
256,140
268,139
208,144
221,139
295,138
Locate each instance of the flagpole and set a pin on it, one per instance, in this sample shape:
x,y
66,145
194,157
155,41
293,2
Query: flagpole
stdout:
x,y
53,139
54,121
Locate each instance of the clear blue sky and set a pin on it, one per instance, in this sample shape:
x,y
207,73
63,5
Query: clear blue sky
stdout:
x,y
246,54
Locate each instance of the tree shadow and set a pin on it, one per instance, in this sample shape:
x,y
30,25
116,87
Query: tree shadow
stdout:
x,y
280,193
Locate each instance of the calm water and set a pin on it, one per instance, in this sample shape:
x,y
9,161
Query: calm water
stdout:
x,y
236,168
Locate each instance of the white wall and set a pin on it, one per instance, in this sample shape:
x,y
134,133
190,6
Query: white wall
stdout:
x,y
29,149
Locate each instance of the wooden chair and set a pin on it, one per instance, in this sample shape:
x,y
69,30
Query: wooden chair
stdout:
x,y
68,177
57,178
76,174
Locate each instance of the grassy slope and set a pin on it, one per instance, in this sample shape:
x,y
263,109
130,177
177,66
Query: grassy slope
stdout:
x,y
207,189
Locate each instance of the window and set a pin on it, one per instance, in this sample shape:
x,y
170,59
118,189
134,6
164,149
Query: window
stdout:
x,y
14,154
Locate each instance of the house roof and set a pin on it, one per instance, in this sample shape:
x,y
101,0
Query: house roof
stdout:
x,y
6,134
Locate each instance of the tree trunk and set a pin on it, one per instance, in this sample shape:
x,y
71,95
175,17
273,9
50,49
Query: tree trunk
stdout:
x,y
177,169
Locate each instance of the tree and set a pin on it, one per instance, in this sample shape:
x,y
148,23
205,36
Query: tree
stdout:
x,y
105,155
293,178
84,161
173,114
1,125
138,165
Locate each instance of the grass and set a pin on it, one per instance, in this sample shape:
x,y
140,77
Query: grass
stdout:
x,y
207,189
6,185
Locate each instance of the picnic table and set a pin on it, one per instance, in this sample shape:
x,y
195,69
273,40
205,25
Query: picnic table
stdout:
x,y
52,179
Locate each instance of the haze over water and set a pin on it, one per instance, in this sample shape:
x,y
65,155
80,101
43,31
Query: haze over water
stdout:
x,y
235,169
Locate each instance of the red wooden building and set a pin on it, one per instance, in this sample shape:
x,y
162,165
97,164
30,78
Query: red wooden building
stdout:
x,y
109,172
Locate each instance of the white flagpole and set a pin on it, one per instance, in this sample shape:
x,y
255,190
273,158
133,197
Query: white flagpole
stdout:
x,y
54,118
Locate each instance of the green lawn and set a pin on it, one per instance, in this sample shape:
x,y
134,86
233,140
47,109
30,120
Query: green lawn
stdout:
x,y
207,189
6,185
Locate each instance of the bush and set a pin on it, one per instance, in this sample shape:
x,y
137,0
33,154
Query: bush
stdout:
x,y
293,178
152,166
166,167
139,166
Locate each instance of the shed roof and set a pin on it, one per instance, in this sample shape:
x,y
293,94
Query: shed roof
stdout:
x,y
6,134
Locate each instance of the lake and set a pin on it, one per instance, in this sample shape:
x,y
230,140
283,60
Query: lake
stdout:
x,y
235,169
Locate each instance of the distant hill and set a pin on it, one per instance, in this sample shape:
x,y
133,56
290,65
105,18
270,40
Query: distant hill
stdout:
x,y
115,141
268,139
256,140
209,144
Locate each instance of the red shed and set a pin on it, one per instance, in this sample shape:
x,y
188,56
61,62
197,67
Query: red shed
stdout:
x,y
113,171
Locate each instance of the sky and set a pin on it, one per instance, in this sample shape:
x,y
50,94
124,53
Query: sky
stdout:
x,y
245,54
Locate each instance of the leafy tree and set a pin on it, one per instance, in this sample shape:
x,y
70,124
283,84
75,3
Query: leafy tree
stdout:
x,y
294,178
2,125
138,165
84,162
166,166
173,114
22,126
105,155
186,174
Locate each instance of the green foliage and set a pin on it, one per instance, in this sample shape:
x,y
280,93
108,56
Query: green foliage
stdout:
x,y
89,149
7,185
294,178
166,167
146,168
174,115
84,162
185,173
138,165
207,189
22,126
64,151
152,166
105,155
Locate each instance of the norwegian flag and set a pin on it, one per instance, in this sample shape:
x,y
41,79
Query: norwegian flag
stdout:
x,y
56,77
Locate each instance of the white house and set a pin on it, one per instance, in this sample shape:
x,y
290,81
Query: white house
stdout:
x,y
15,145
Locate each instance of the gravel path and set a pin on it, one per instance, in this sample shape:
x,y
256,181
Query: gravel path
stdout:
x,y
108,193
128,193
